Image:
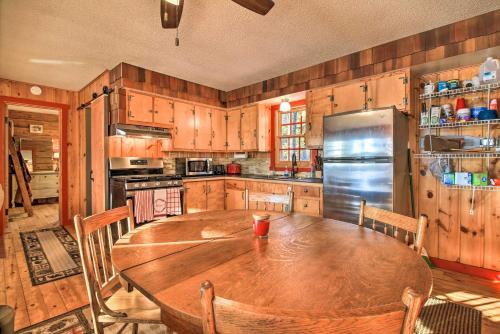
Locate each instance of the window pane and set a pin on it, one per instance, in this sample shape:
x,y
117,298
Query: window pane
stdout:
x,y
296,129
305,155
302,142
285,130
285,118
284,143
297,117
284,155
294,142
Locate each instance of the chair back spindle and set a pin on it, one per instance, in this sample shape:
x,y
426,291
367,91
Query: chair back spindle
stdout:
x,y
417,227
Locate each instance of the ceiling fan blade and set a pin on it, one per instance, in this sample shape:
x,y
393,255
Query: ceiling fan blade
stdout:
x,y
261,7
169,13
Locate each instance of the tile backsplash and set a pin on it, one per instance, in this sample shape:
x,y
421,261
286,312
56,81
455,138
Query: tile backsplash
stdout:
x,y
256,163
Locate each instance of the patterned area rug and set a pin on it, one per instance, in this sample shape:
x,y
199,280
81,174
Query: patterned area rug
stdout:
x,y
51,254
80,321
438,317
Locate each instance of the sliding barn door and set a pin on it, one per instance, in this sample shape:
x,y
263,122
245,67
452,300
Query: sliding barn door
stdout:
x,y
97,155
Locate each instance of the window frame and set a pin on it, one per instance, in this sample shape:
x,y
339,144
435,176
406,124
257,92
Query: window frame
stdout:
x,y
276,163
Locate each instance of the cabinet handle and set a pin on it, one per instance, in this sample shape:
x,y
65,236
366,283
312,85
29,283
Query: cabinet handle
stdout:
x,y
213,134
305,205
156,111
151,111
130,114
306,190
255,133
243,195
176,130
204,189
196,132
171,120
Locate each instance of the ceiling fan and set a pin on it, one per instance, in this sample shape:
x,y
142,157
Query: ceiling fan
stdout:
x,y
171,11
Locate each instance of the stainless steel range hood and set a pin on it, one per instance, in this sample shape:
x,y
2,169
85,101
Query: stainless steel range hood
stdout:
x,y
139,130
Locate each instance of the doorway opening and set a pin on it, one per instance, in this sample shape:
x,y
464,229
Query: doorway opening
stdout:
x,y
33,172
36,137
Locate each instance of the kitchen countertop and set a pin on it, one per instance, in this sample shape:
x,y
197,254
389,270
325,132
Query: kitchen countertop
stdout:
x,y
275,178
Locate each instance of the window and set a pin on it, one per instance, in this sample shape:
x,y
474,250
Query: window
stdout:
x,y
290,128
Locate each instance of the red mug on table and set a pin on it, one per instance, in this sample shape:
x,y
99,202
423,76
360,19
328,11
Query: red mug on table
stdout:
x,y
261,225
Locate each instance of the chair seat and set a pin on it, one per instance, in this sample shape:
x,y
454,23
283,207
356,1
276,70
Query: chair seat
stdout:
x,y
139,309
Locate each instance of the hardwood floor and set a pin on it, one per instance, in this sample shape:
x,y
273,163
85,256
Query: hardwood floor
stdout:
x,y
37,303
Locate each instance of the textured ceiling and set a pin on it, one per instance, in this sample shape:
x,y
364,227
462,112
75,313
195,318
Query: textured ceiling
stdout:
x,y
67,43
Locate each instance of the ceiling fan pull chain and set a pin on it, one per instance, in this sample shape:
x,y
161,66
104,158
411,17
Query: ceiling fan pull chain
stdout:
x,y
177,24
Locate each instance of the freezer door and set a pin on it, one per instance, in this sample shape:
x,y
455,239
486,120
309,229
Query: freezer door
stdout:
x,y
361,134
345,184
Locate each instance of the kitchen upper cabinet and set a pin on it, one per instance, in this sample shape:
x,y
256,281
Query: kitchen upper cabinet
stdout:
x,y
264,128
184,129
139,108
233,130
388,90
215,195
349,97
219,130
249,128
195,196
203,128
163,112
319,104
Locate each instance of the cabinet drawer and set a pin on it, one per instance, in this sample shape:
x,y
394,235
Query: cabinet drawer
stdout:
x,y
306,191
235,184
308,206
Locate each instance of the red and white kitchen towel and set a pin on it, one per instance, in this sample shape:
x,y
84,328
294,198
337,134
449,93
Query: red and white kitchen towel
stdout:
x,y
167,202
143,206
151,204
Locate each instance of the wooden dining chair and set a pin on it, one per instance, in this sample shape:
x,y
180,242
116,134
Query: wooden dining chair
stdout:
x,y
396,221
95,239
220,315
284,199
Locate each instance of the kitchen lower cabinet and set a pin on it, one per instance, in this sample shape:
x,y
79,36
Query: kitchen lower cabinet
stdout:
x,y
307,199
267,188
195,196
215,195
307,206
203,196
235,195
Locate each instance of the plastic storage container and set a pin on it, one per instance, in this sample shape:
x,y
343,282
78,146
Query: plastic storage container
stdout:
x,y
490,71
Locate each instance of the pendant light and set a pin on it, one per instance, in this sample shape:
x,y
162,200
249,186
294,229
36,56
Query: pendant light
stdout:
x,y
285,105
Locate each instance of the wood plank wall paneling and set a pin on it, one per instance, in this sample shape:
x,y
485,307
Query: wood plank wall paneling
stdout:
x,y
23,119
130,76
454,233
95,86
41,152
477,33
19,89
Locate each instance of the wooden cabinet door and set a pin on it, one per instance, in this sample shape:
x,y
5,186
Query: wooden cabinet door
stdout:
x,y
235,199
233,130
163,112
139,108
203,128
349,97
264,128
218,130
215,195
319,104
249,126
388,90
195,196
183,126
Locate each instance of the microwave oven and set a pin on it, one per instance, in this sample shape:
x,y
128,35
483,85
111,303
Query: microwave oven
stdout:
x,y
193,166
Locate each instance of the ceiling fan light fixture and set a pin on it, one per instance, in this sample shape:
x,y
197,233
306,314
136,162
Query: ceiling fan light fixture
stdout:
x,y
285,105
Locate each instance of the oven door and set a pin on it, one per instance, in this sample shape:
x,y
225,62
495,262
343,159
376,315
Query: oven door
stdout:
x,y
199,167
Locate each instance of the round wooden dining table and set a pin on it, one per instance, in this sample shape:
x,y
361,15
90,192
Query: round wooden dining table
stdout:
x,y
306,264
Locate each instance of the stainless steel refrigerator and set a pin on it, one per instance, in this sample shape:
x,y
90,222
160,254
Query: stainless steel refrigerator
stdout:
x,y
365,157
